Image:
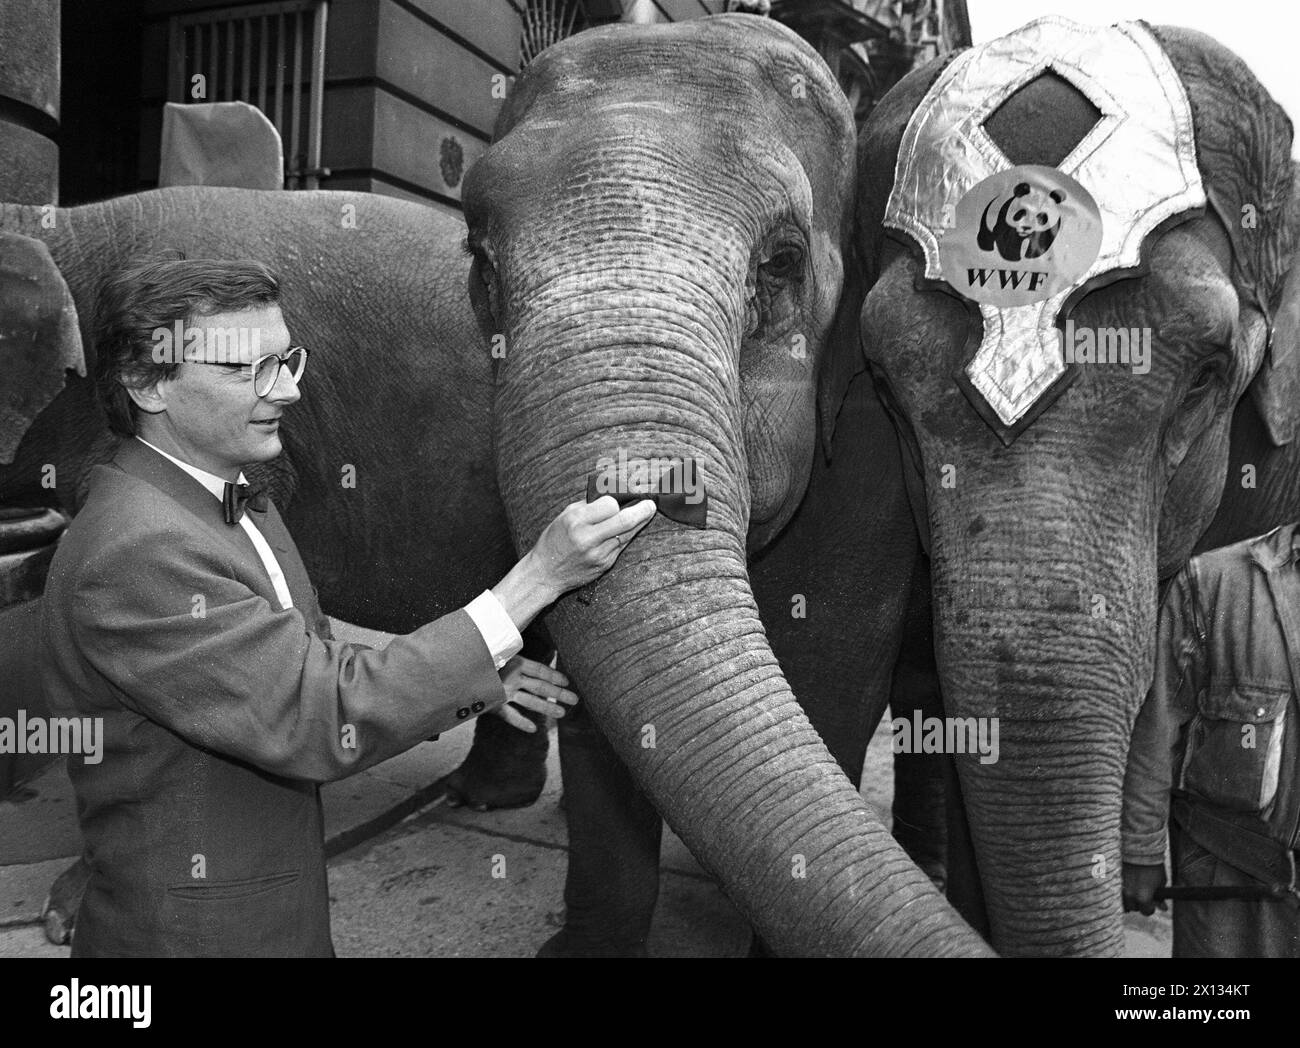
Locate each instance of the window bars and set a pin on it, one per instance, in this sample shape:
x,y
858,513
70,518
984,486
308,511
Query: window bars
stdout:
x,y
257,54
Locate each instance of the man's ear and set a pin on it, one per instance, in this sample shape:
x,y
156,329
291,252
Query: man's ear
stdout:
x,y
39,337
1276,386
843,358
148,399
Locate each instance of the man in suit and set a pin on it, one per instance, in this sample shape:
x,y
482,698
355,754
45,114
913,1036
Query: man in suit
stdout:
x,y
179,611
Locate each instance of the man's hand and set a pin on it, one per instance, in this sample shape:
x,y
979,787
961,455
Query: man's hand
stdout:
x,y
582,543
536,687
1139,888
578,546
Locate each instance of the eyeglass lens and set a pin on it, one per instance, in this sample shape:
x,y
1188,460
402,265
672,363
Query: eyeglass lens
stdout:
x,y
268,370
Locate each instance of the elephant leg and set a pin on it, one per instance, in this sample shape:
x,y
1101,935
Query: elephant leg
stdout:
x,y
505,767
920,819
612,883
964,889
920,822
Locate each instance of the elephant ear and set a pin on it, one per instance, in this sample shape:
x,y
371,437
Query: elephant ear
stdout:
x,y
843,360
878,143
1276,388
39,336
1243,148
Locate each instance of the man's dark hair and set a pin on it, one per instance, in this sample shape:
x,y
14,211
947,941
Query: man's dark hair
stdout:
x,y
152,293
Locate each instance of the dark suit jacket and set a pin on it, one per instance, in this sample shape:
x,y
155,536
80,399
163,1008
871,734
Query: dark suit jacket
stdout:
x,y
222,712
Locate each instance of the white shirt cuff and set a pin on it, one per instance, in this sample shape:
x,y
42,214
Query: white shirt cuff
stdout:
x,y
498,629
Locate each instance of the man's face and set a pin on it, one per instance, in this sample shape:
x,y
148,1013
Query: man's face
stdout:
x,y
210,417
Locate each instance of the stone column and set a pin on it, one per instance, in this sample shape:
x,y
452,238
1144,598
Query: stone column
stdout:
x,y
29,101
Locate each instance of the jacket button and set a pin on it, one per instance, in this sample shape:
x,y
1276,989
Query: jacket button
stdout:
x,y
462,713
478,707
1259,712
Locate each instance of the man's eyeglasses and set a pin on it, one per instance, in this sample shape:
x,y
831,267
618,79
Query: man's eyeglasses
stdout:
x,y
266,369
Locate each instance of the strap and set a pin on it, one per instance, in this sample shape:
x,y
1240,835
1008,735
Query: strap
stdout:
x,y
1242,841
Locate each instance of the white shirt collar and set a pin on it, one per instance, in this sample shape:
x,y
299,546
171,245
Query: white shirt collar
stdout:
x,y
209,480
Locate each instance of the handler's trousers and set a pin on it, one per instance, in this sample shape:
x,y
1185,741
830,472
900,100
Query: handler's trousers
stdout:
x,y
1232,927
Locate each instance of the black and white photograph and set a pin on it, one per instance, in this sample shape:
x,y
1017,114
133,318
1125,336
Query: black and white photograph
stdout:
x,y
696,479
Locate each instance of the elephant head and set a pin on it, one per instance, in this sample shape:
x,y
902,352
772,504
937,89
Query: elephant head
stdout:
x,y
1049,531
659,233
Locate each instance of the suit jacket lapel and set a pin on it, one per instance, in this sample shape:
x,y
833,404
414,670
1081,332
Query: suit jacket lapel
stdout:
x,y
134,458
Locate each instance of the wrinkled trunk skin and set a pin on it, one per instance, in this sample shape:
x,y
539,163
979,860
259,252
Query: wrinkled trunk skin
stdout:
x,y
667,648
1045,618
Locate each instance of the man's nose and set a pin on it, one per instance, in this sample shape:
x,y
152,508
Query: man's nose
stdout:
x,y
285,390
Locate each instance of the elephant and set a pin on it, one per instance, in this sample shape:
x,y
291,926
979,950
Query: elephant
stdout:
x,y
1050,536
666,287
830,592
603,111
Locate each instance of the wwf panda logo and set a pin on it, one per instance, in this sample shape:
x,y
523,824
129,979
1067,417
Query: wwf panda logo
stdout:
x,y
1026,225
1019,236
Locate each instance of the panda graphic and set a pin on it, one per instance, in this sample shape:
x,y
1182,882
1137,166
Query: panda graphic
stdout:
x,y
1026,225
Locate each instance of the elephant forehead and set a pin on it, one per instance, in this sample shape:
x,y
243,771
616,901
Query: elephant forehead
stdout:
x,y
750,70
1136,165
662,173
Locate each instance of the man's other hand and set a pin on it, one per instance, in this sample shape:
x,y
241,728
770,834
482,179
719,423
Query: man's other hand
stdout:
x,y
1139,888
534,686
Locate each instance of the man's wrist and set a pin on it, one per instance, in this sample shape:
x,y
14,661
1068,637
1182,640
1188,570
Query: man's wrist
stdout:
x,y
496,627
526,591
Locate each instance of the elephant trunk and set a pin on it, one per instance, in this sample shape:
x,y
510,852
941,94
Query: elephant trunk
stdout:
x,y
667,647
1045,611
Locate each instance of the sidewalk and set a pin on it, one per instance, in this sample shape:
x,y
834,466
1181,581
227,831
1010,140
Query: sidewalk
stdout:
x,y
424,887
413,877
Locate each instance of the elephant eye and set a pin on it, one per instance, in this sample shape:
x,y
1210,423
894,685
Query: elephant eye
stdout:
x,y
1204,376
486,271
783,264
483,286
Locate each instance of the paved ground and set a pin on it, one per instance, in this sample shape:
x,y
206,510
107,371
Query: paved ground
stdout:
x,y
441,882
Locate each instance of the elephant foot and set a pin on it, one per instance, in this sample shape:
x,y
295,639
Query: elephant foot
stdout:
x,y
565,944
59,914
505,767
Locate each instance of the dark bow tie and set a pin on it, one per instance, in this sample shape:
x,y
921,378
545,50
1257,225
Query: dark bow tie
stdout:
x,y
671,504
238,496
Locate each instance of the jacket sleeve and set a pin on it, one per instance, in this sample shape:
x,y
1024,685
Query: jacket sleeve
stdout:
x,y
1160,734
187,644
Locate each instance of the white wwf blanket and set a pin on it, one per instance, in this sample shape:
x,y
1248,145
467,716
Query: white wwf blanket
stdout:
x,y
1020,240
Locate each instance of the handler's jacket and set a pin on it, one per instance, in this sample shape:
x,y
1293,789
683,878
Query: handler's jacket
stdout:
x,y
1219,726
221,711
